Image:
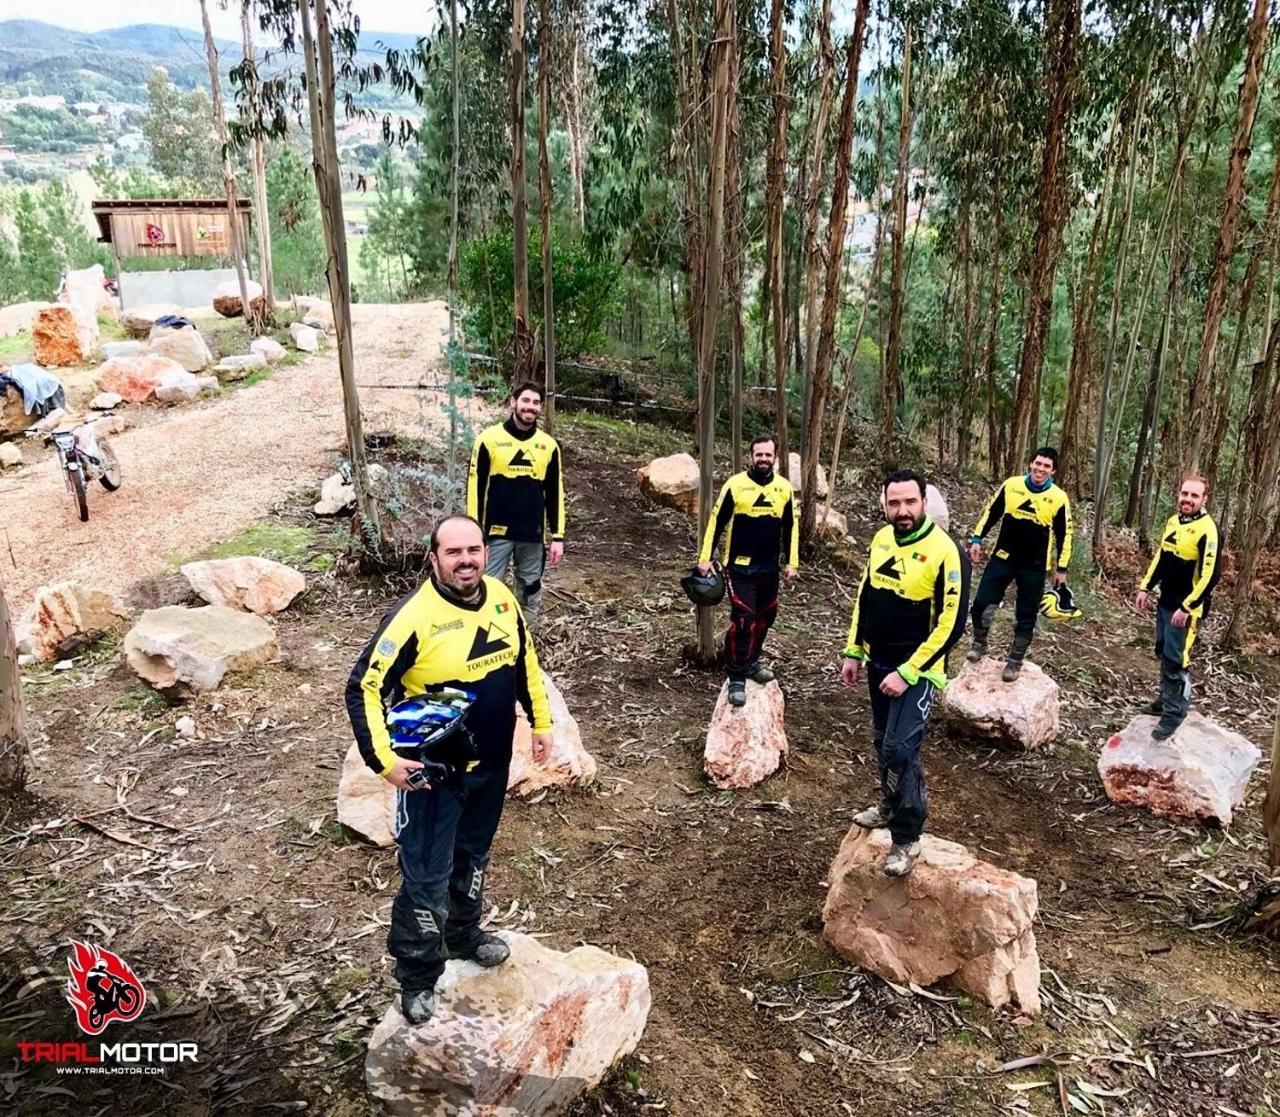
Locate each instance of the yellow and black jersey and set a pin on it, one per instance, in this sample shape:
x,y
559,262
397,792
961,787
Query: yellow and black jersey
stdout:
x,y
1029,520
911,603
761,522
432,639
1185,568
516,485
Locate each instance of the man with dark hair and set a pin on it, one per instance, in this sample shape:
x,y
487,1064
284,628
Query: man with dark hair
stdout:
x,y
464,630
757,508
515,490
1184,569
1032,513
908,613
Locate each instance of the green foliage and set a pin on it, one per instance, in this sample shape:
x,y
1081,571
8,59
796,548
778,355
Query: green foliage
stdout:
x,y
31,128
384,250
49,236
297,239
585,292
178,128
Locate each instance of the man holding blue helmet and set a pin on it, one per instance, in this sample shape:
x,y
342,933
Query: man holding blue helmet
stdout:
x,y
459,651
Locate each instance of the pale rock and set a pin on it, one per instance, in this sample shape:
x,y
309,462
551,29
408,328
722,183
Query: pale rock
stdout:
x,y
208,385
179,648
568,765
105,401
954,918
10,454
524,1039
138,320
185,726
112,349
64,610
239,365
835,524
13,412
17,317
672,480
248,582
26,660
136,378
337,495
268,347
1023,714
1199,773
52,421
64,336
177,386
183,344
315,311
85,288
746,744
366,802
794,475
306,339
226,298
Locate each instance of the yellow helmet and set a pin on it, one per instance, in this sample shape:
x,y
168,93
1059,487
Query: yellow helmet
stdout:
x,y
1059,604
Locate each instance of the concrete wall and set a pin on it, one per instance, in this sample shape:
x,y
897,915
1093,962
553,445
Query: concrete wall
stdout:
x,y
186,288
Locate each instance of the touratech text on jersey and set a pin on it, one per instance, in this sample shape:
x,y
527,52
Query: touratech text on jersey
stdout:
x,y
911,603
761,523
432,638
1028,521
1185,567
516,485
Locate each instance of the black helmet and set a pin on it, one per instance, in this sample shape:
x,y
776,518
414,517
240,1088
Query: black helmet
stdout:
x,y
704,589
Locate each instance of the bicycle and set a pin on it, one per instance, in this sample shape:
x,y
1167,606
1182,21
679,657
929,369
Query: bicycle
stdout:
x,y
85,457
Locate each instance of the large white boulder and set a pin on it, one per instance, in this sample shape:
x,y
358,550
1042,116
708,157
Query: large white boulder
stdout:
x,y
226,298
569,765
136,378
746,744
268,348
179,648
524,1039
65,610
86,288
954,918
177,385
672,480
183,344
366,802
315,312
306,339
794,475
1023,714
248,582
1199,773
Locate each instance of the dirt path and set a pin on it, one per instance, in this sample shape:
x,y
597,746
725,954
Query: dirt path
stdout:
x,y
200,473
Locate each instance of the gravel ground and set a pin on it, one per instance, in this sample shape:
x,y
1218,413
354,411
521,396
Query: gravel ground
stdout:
x,y
197,474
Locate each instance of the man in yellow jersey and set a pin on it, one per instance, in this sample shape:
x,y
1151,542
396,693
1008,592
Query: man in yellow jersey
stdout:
x,y
758,510
1184,569
909,612
1035,519
464,630
515,491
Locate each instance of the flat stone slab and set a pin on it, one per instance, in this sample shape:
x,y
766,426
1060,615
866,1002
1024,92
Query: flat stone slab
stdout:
x,y
248,582
746,744
175,647
954,918
672,481
568,765
525,1039
1200,773
1023,714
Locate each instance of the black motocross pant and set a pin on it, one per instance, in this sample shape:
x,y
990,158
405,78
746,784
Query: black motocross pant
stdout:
x,y
899,725
995,580
753,607
444,837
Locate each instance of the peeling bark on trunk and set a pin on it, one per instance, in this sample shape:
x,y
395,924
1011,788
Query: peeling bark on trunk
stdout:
x,y
522,337
258,164
13,729
544,207
734,264
889,391
774,174
814,179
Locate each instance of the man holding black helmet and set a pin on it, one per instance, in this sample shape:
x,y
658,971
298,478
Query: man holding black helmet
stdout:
x,y
758,510
463,630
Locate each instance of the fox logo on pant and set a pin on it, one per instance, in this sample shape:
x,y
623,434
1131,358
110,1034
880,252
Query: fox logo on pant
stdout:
x,y
102,988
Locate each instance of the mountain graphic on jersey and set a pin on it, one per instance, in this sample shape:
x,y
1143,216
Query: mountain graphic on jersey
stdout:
x,y
1172,537
490,640
518,459
1027,505
889,568
762,501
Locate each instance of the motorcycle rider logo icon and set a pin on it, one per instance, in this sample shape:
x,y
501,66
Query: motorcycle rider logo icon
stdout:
x,y
102,988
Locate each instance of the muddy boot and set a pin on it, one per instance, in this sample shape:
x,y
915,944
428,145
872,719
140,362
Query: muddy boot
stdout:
x,y
901,860
873,817
759,673
418,1005
486,949
1155,708
737,692
978,648
1017,654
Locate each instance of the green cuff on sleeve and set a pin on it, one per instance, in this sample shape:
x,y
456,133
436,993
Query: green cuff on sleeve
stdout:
x,y
910,675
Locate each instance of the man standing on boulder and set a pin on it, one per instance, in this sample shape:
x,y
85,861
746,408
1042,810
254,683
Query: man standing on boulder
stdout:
x,y
464,630
758,509
1032,513
909,612
515,491
1185,570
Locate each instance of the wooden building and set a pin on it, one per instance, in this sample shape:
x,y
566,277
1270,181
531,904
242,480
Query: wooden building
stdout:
x,y
169,226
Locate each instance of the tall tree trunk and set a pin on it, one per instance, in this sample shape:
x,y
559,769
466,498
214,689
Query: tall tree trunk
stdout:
x,y
775,172
258,163
234,228
734,264
995,456
892,373
1232,203
317,53
544,205
689,92
452,280
1271,808
1062,37
13,729
968,390
722,49
572,98
833,279
813,200
522,338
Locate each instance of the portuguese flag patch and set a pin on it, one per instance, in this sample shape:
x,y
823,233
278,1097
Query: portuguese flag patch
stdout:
x,y
502,607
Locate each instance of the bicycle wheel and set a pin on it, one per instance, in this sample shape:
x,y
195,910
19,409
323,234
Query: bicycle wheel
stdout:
x,y
77,490
110,476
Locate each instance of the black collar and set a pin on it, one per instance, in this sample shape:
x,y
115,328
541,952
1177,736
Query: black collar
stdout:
x,y
1191,519
454,598
512,429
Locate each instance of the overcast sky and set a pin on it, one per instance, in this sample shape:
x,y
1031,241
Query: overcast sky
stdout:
x,y
375,15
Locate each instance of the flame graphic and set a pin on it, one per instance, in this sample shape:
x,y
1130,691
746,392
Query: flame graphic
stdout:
x,y
86,957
